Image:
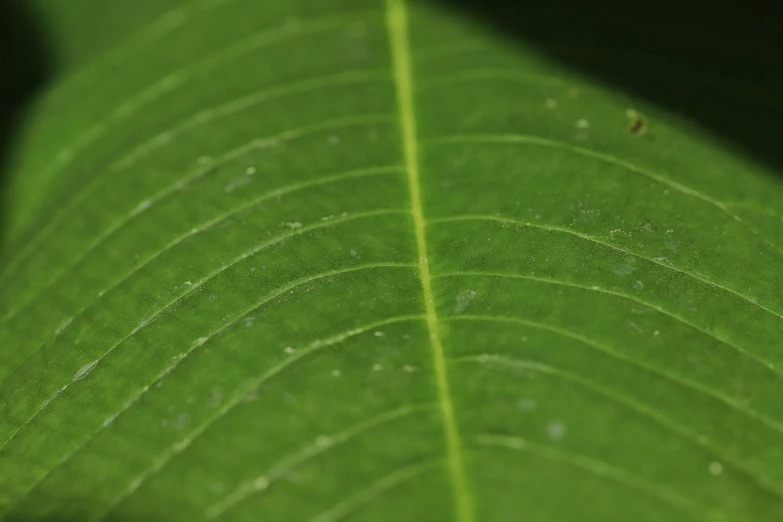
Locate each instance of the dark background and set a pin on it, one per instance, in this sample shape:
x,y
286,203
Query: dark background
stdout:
x,y
25,67
718,63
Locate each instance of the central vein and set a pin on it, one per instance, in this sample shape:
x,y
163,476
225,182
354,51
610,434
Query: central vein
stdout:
x,y
397,20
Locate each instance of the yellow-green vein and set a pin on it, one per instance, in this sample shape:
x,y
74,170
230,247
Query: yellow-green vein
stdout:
x,y
397,19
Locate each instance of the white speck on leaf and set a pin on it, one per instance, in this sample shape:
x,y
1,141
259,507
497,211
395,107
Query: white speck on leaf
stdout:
x,y
619,233
261,483
200,341
84,370
550,103
556,430
582,123
378,334
463,300
336,373
293,224
353,252
638,285
408,368
289,350
323,440
716,468
377,367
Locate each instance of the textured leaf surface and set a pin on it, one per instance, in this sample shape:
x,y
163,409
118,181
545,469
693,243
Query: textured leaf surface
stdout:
x,y
338,259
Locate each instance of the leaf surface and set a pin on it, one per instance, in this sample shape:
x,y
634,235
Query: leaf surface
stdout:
x,y
346,260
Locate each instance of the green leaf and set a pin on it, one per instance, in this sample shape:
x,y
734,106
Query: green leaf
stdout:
x,y
379,261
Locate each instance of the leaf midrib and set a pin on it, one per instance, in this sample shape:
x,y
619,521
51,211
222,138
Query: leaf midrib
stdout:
x,y
397,20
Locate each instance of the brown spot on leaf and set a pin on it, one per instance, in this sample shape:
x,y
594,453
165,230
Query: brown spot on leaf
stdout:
x,y
638,126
